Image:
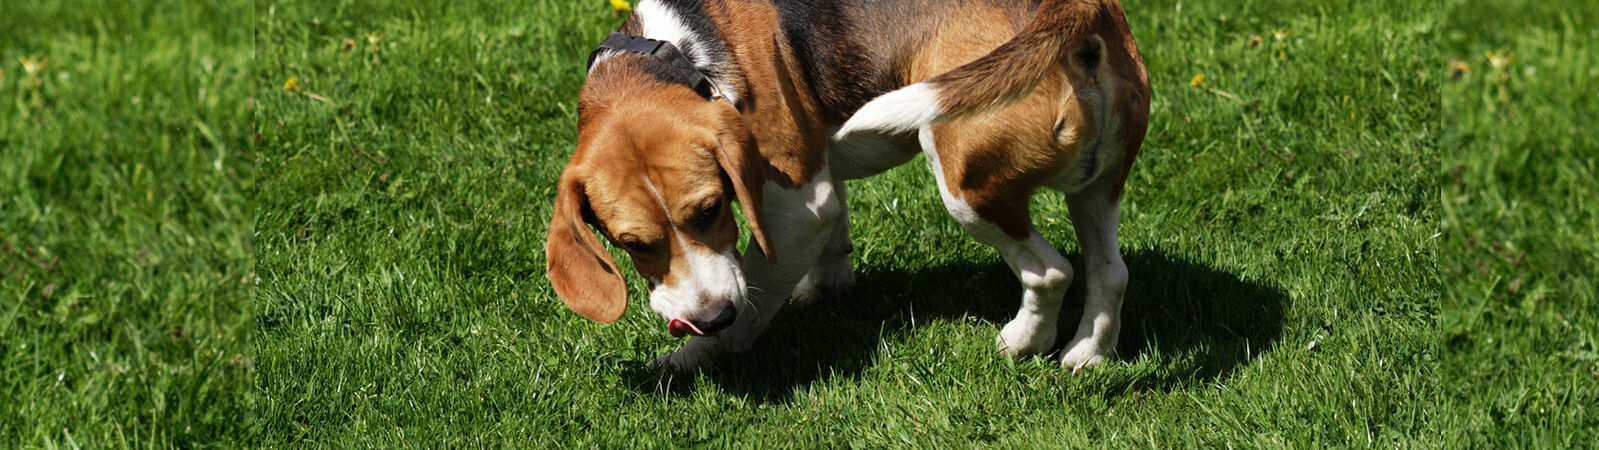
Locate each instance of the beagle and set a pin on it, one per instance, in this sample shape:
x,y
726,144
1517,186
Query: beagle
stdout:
x,y
694,105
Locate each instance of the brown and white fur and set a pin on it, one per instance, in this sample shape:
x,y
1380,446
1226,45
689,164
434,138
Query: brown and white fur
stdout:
x,y
1003,97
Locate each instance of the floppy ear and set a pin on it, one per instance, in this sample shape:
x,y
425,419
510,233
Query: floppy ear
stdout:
x,y
583,274
739,158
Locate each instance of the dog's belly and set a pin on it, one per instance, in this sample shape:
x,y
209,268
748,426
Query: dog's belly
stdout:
x,y
866,154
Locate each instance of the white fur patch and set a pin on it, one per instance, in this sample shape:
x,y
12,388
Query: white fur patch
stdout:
x,y
711,276
1096,217
1044,273
866,154
661,23
906,109
799,220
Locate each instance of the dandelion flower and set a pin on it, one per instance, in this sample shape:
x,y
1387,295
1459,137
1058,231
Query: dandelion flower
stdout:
x,y
622,5
32,65
292,84
1500,60
1199,79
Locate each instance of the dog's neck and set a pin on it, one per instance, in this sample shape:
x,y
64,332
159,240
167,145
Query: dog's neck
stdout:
x,y
694,34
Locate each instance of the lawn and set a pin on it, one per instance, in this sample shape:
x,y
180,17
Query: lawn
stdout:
x,y
1520,163
322,223
125,259
1283,238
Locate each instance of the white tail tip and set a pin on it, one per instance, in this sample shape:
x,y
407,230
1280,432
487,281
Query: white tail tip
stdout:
x,y
908,108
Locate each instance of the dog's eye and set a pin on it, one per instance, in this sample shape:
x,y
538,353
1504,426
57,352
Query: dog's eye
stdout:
x,y
636,246
705,216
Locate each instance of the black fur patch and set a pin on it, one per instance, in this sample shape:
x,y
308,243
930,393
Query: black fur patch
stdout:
x,y
707,39
660,70
843,75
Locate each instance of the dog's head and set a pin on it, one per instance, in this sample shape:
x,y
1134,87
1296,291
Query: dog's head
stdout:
x,y
656,170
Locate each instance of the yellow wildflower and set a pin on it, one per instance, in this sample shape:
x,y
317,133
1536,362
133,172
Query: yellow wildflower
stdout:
x,y
292,84
1199,79
31,65
1500,60
622,5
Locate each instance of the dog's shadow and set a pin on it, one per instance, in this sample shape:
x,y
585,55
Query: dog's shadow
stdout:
x,y
1216,319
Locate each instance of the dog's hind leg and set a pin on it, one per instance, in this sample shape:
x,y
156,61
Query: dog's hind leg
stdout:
x,y
994,211
1096,213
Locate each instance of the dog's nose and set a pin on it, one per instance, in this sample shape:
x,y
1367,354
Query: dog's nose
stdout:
x,y
722,319
706,324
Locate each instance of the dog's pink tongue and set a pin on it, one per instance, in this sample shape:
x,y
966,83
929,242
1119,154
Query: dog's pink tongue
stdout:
x,y
680,327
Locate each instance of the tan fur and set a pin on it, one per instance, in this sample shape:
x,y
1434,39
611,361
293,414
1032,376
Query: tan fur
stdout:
x,y
671,142
1019,63
996,161
638,136
790,129
581,271
1132,98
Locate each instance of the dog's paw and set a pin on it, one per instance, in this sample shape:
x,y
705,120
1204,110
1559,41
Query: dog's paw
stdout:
x,y
1086,352
1025,337
825,281
695,354
675,363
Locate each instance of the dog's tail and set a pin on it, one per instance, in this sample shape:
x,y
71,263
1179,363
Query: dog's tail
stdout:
x,y
1006,74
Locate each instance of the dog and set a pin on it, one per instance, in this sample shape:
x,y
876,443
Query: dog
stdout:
x,y
695,105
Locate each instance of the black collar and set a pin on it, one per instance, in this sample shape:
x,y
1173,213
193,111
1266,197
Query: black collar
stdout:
x,y
665,52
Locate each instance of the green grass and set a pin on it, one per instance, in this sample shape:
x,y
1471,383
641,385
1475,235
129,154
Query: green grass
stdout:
x,y
1333,241
124,259
402,209
1523,247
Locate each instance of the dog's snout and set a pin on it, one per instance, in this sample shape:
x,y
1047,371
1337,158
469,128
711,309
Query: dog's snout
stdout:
x,y
722,318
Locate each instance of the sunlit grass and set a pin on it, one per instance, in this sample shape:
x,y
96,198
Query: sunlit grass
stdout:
x,y
322,223
1281,228
125,259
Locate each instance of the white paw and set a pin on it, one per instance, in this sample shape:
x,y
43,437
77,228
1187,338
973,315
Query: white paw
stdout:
x,y
1025,337
1086,352
825,281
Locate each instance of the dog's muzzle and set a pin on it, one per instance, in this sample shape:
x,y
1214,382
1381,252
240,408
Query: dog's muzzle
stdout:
x,y
723,319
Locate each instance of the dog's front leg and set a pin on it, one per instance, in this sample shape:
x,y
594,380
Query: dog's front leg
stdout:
x,y
832,276
799,221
